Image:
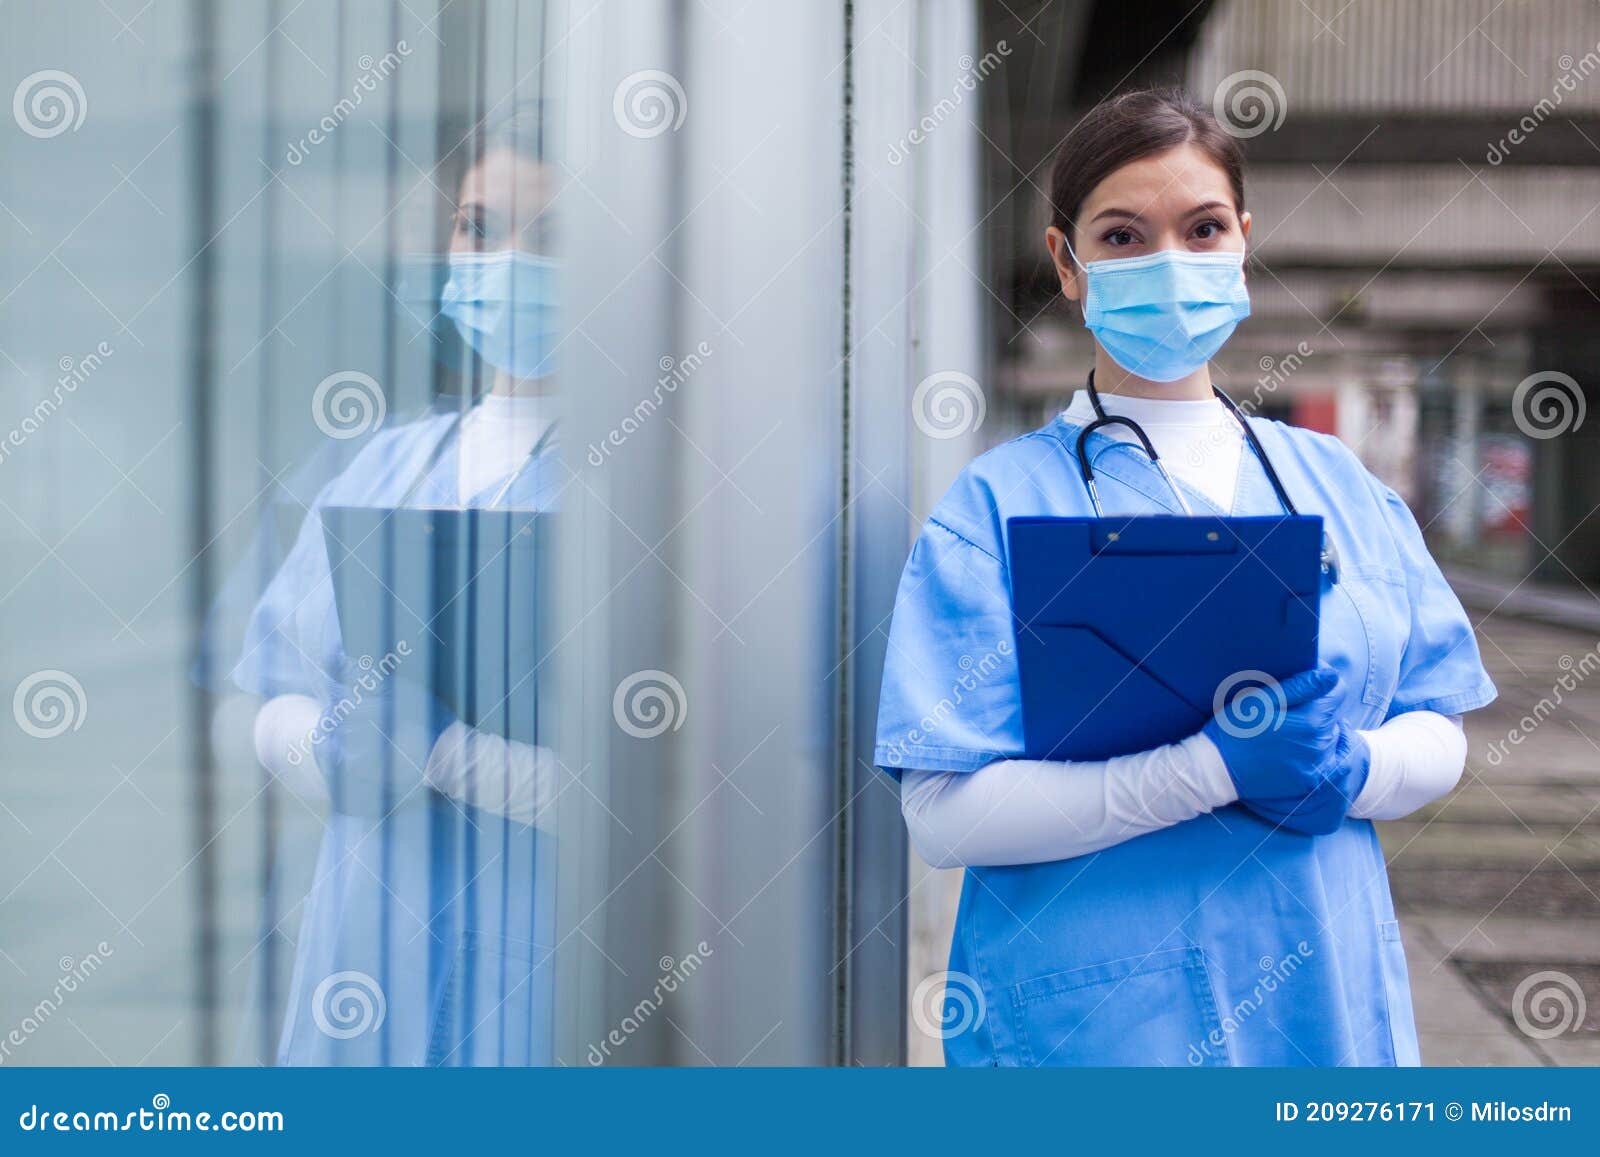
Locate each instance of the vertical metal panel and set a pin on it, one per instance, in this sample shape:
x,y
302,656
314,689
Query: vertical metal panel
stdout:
x,y
722,522
200,335
950,340
950,244
881,362
758,476
614,591
268,1011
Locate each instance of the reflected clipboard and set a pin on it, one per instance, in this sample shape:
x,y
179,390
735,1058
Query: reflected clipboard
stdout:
x,y
1127,629
456,600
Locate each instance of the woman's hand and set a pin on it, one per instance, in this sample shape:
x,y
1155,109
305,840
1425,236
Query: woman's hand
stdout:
x,y
1292,760
1322,810
374,755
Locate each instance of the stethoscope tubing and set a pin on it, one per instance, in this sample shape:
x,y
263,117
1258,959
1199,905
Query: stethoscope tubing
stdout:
x,y
1102,420
547,440
1330,558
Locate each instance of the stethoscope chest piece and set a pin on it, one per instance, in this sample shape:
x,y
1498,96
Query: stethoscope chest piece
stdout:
x,y
1330,563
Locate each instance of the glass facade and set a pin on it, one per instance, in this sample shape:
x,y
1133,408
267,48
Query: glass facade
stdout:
x,y
460,472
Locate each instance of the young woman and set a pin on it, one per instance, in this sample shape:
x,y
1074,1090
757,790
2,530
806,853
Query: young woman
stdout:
x,y
1222,900
424,939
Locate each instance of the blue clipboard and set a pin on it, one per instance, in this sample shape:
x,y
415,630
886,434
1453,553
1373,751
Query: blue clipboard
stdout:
x,y
467,594
1127,628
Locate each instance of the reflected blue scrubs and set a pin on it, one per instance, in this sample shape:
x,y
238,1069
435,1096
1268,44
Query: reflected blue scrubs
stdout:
x,y
1218,941
443,909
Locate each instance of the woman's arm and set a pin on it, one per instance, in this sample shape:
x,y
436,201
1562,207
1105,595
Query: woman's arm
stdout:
x,y
513,779
1417,757
1021,811
516,780
284,726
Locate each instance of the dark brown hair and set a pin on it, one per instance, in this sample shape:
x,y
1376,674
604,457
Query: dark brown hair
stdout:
x,y
1126,128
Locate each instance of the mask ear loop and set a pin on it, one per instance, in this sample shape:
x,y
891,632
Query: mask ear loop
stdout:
x,y
1065,240
1082,302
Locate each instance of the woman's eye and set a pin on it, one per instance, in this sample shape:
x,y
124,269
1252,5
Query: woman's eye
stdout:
x,y
1119,237
1207,230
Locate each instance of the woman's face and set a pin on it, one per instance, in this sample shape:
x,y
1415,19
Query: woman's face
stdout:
x,y
1179,199
505,203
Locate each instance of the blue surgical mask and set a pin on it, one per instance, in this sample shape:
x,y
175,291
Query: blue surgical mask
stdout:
x,y
504,305
416,293
1164,315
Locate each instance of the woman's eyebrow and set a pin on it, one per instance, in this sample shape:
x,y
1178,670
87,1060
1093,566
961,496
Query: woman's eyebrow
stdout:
x,y
1129,214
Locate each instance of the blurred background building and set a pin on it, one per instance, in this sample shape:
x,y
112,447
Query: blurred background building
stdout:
x,y
1424,179
805,283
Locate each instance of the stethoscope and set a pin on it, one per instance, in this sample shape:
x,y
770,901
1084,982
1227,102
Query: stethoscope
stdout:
x,y
1330,557
545,441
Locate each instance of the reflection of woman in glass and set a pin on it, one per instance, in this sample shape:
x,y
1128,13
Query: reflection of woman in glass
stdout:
x,y
424,939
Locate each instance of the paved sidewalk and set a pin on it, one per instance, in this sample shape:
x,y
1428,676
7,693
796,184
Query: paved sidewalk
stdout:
x,y
1498,885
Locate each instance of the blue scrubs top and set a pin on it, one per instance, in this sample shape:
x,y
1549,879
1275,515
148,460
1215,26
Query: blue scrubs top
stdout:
x,y
440,912
1218,941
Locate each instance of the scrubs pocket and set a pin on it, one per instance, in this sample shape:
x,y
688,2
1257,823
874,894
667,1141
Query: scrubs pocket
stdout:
x,y
1397,990
496,1005
1379,598
1155,1009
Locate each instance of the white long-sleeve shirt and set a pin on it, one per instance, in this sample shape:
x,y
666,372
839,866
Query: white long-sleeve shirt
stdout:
x,y
1034,811
1027,811
486,771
